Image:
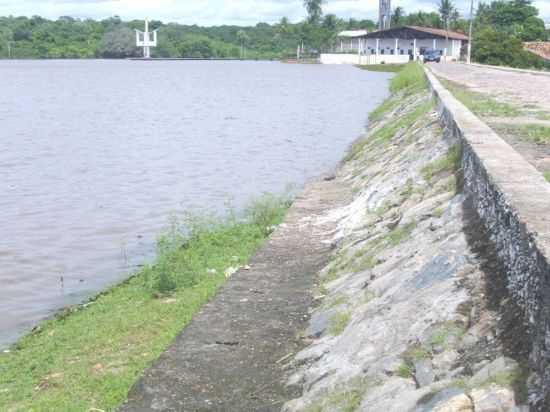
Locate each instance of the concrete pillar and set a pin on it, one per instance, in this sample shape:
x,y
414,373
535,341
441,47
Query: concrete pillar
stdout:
x,y
396,47
435,44
414,49
377,49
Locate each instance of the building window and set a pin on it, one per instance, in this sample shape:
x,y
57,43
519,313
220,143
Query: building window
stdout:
x,y
392,51
382,51
401,51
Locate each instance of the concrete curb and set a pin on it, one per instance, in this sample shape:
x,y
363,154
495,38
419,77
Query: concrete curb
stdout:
x,y
512,199
510,69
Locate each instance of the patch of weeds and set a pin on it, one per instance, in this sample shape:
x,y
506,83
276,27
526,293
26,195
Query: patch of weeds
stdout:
x,y
383,208
449,185
406,121
542,115
387,68
410,79
449,162
387,106
400,233
338,322
344,398
365,263
438,212
479,103
530,132
516,379
356,148
405,370
445,334
413,353
407,191
340,300
547,176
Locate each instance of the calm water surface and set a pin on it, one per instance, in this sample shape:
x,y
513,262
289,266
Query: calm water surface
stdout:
x,y
95,156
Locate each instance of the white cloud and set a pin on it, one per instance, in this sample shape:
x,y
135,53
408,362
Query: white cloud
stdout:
x,y
214,12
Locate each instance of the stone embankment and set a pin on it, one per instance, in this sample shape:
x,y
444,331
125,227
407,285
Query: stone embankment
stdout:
x,y
437,295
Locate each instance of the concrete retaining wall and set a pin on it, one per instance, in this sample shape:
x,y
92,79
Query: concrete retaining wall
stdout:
x,y
513,201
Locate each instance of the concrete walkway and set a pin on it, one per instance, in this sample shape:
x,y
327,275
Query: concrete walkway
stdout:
x,y
514,87
232,356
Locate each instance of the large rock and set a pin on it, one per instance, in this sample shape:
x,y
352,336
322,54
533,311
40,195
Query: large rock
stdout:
x,y
493,399
446,400
498,367
459,403
423,372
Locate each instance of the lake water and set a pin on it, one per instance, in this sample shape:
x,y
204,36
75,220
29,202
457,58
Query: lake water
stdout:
x,y
95,156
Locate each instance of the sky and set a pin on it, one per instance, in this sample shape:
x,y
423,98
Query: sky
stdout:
x,y
216,12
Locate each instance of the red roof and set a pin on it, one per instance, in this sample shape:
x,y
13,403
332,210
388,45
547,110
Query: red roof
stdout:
x,y
409,31
441,32
540,48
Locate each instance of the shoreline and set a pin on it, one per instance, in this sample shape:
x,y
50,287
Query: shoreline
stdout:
x,y
111,376
89,355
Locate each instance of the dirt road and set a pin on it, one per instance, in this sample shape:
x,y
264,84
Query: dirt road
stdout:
x,y
513,87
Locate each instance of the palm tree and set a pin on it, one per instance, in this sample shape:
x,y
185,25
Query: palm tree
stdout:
x,y
447,11
397,16
314,10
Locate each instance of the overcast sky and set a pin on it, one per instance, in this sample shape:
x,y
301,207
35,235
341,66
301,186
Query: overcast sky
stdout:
x,y
215,12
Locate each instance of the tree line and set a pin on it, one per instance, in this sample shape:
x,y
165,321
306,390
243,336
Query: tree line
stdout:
x,y
500,27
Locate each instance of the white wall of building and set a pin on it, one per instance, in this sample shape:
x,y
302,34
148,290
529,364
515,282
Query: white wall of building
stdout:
x,y
392,50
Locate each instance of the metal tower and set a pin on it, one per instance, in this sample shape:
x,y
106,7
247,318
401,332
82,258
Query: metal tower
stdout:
x,y
146,40
384,18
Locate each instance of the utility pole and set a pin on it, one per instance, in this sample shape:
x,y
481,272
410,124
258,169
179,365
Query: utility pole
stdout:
x,y
469,58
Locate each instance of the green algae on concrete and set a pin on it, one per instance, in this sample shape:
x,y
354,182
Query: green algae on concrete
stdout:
x,y
89,356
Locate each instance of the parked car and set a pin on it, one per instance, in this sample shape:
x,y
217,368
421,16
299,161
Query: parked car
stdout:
x,y
432,56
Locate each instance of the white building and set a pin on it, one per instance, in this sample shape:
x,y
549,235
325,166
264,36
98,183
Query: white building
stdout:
x,y
349,41
399,45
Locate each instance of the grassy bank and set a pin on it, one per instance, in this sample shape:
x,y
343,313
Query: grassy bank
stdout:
x,y
88,357
409,80
386,68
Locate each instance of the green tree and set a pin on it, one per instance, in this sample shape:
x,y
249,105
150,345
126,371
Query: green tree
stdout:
x,y
118,43
314,10
243,39
398,16
500,49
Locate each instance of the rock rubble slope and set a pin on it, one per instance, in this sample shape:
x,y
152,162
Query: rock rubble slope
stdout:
x,y
408,312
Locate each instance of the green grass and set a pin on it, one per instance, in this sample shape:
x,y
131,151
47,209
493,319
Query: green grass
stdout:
x,y
481,104
399,234
344,398
530,132
89,356
542,115
387,106
449,162
547,176
389,68
405,370
338,322
409,80
445,334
